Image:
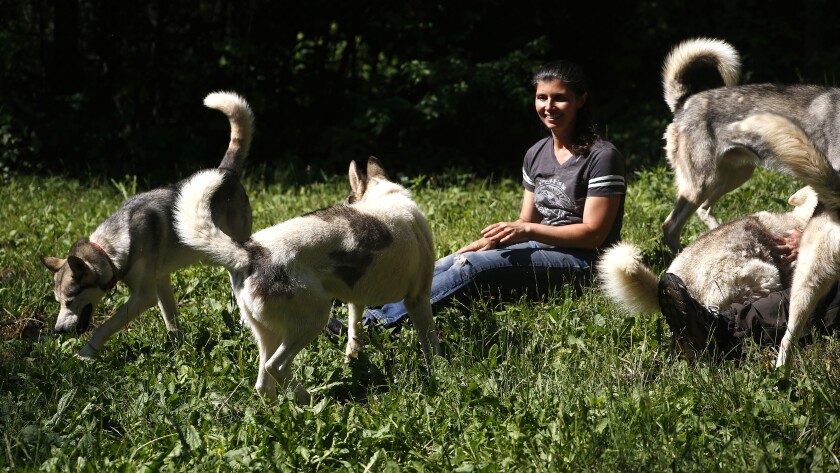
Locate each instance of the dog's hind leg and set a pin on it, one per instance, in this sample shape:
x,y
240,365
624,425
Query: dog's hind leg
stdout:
x,y
817,267
355,333
301,329
420,313
267,342
139,301
729,179
169,308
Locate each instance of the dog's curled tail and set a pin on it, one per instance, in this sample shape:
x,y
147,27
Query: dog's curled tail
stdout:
x,y
693,55
194,222
792,146
627,281
241,126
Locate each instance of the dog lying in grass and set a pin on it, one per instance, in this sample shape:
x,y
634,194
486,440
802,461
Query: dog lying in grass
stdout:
x,y
373,249
734,262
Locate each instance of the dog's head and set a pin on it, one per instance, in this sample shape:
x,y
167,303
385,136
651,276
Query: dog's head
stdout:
x,y
78,289
370,184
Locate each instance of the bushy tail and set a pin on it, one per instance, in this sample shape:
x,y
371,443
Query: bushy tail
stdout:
x,y
692,55
797,153
626,280
194,222
241,126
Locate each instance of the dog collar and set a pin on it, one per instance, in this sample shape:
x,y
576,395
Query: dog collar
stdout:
x,y
113,282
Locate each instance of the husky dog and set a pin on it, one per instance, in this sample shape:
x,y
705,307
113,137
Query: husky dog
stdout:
x,y
818,264
704,152
138,244
734,262
373,249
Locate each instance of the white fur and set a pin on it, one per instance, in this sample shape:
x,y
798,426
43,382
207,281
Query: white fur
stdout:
x,y
303,249
195,226
626,280
725,57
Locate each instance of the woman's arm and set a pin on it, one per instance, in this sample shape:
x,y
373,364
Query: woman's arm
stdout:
x,y
528,213
599,213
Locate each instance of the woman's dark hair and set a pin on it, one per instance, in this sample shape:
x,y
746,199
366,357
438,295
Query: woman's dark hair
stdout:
x,y
573,77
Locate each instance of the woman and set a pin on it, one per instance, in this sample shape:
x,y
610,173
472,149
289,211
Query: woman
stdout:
x,y
572,205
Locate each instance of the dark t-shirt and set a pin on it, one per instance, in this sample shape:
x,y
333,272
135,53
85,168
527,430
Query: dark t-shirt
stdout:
x,y
560,190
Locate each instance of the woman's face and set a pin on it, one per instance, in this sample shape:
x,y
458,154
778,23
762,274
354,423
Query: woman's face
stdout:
x,y
557,106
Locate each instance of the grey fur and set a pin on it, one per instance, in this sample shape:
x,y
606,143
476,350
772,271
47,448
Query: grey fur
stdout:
x,y
269,279
370,234
139,246
710,158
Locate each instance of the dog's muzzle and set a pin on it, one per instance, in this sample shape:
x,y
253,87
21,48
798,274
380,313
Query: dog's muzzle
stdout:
x,y
76,324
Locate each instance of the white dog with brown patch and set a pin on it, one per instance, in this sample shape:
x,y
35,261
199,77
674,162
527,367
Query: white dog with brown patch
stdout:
x,y
373,249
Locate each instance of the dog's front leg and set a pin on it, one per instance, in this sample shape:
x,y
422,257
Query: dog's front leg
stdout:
x,y
803,298
817,267
355,333
137,303
169,308
420,312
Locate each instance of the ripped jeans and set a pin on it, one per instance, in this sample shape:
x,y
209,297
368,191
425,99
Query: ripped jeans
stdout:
x,y
531,269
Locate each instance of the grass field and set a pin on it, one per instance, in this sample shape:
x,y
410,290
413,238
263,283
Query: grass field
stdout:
x,y
566,384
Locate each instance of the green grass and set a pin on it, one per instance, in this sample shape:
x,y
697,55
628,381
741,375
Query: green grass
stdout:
x,y
570,383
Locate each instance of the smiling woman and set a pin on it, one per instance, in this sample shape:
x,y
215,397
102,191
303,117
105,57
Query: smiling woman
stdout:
x,y
572,205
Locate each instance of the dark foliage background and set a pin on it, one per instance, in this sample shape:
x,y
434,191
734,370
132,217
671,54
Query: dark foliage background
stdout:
x,y
107,88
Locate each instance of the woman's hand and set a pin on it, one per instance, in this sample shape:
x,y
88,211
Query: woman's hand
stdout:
x,y
789,246
478,245
507,233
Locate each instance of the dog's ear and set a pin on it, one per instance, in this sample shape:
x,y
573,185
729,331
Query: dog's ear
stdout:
x,y
357,181
375,169
78,267
52,263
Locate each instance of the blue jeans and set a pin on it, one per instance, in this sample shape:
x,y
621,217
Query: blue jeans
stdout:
x,y
529,269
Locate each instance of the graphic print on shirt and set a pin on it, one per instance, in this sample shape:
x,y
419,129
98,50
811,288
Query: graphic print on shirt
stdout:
x,y
552,201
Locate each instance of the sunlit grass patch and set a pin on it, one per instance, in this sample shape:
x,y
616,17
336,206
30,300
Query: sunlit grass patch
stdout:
x,y
566,383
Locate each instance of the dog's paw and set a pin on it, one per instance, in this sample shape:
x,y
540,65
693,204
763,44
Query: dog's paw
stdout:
x,y
351,354
87,353
175,337
267,392
350,358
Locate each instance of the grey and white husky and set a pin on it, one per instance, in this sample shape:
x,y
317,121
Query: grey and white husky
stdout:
x,y
373,249
702,149
818,264
139,246
735,262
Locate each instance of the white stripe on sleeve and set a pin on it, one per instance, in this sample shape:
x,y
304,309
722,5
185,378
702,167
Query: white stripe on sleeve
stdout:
x,y
526,178
606,181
